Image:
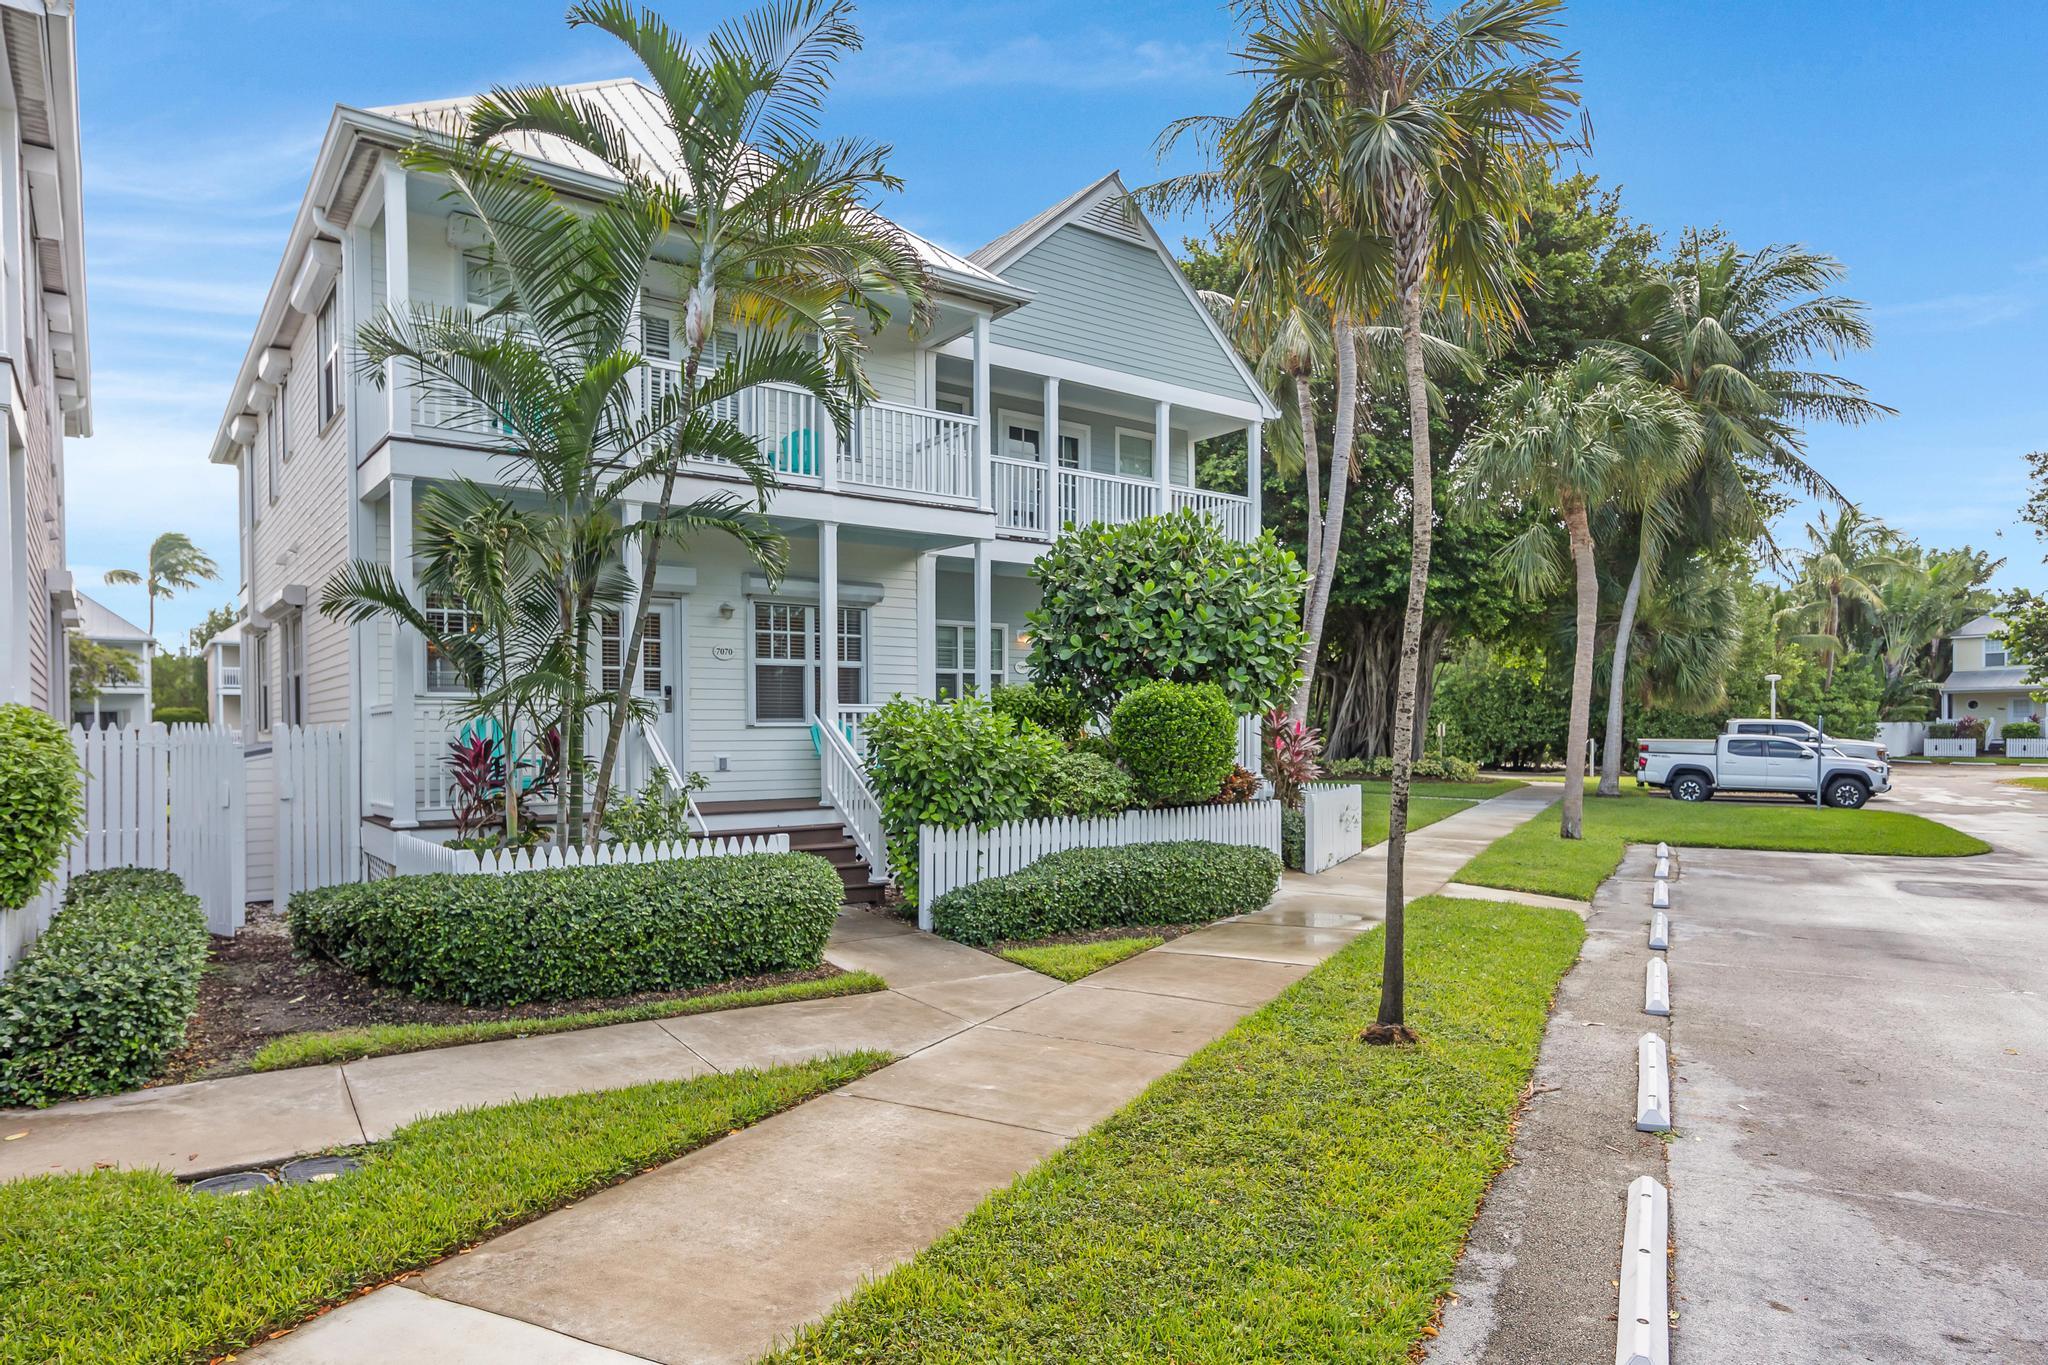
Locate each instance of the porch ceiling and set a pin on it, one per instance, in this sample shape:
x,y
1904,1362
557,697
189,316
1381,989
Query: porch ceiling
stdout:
x,y
1020,388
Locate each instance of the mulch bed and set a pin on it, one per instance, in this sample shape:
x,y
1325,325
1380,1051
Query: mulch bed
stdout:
x,y
255,989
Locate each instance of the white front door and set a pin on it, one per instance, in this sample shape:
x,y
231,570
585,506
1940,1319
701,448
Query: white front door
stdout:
x,y
662,668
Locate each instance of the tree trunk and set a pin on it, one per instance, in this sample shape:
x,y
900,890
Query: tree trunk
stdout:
x,y
1304,402
1572,824
1325,569
1617,678
629,661
1392,1022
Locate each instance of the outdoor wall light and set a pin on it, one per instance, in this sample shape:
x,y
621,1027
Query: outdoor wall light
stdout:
x,y
725,611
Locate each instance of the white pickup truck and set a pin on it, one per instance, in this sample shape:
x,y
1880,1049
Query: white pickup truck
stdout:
x,y
1806,734
1694,769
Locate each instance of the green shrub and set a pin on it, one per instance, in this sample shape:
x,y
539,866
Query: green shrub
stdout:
x,y
106,992
1293,838
1178,740
1055,710
577,932
1426,768
1942,729
2023,729
1186,882
953,764
179,715
1085,784
40,808
656,814
1098,745
1167,597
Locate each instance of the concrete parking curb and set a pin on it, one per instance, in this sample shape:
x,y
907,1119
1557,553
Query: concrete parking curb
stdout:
x,y
1660,896
1656,988
1660,932
1663,867
1643,1320
1653,1085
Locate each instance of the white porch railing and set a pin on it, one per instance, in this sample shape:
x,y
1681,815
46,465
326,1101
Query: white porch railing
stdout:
x,y
230,678
952,858
844,780
1019,495
912,450
1232,511
1110,498
853,723
413,855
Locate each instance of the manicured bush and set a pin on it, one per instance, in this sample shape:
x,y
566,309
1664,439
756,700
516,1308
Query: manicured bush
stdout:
x,y
577,932
1942,729
1293,838
1167,597
1053,709
1967,727
1182,882
953,764
1085,784
179,715
1178,740
2023,729
39,801
106,992
1426,768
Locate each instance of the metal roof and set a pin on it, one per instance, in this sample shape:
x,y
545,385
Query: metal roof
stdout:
x,y
2013,678
98,621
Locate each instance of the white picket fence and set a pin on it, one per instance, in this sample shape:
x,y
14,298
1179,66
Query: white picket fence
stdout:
x,y
951,858
153,797
412,854
319,823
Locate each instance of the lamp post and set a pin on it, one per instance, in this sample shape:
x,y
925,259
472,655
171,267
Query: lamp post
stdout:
x,y
1772,679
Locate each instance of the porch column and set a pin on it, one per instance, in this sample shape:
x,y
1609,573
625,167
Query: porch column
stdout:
x,y
982,614
397,286
927,624
984,420
1049,440
405,654
15,597
1162,453
828,622
1254,440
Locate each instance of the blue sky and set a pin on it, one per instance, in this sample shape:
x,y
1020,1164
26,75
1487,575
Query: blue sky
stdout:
x,y
1908,147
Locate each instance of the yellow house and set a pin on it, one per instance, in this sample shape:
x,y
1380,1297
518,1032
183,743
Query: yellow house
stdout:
x,y
1985,682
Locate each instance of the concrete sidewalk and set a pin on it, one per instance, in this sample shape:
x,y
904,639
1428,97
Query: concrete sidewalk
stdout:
x,y
719,1255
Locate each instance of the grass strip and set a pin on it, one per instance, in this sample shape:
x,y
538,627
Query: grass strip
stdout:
x,y
1072,961
1479,790
130,1266
378,1040
1288,1194
2032,784
1532,857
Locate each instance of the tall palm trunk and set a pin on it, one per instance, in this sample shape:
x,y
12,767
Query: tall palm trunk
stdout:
x,y
1617,677
1305,405
1572,824
1392,1022
1341,435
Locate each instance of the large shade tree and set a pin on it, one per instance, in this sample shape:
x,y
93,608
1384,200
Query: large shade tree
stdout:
x,y
1591,435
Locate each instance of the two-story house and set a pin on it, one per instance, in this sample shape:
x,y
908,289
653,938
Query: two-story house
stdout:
x,y
118,702
45,362
1984,681
223,655
1070,375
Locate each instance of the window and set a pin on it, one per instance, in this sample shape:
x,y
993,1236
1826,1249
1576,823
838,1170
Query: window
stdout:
x,y
2021,708
448,616
259,678
274,450
327,340
1134,453
786,648
1785,748
291,669
1995,653
955,656
1745,748
611,647
484,284
1023,440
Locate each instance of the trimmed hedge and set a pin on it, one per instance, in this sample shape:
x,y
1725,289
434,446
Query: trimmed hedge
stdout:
x,y
1179,740
580,932
40,807
106,992
2023,729
1055,710
1084,784
1180,882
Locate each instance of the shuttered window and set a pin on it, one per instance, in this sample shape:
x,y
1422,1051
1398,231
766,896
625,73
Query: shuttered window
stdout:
x,y
955,657
787,650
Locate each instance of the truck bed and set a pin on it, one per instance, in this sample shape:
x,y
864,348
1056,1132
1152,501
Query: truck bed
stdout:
x,y
1678,746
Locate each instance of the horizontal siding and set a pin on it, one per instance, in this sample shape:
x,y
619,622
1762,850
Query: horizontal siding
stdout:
x,y
1100,301
1011,601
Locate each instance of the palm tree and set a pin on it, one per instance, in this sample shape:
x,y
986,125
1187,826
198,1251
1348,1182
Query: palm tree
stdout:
x,y
781,245
1729,331
1841,579
175,565
1569,443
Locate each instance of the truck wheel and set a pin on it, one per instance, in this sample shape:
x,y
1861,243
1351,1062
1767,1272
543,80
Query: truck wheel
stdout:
x,y
1691,787
1846,793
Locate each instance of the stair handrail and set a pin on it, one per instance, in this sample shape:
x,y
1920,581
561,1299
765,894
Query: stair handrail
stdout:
x,y
844,780
666,765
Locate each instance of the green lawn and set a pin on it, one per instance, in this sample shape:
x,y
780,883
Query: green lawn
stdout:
x,y
348,1045
1463,791
1533,857
2032,784
1072,961
133,1267
1288,1194
1428,802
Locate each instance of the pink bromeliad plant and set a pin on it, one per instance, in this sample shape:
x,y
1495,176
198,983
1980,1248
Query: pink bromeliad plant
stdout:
x,y
1293,754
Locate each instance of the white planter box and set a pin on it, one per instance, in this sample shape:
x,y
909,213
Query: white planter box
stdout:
x,y
2026,748
1951,748
1333,818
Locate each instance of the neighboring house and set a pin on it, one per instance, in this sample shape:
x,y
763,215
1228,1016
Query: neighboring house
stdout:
x,y
223,654
915,539
119,704
45,369
1984,681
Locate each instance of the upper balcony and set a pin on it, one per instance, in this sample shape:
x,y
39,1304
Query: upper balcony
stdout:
x,y
230,678
1036,501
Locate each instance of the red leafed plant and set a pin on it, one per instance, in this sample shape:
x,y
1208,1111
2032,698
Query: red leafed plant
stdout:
x,y
1239,787
477,770
1292,753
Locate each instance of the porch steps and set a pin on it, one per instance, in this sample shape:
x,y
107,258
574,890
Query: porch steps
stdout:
x,y
830,841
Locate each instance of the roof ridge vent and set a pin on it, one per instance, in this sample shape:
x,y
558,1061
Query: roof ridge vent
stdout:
x,y
1108,214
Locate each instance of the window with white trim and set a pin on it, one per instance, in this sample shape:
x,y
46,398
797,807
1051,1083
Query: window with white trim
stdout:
x,y
1995,653
485,284
291,669
786,649
447,614
955,656
1134,453
611,648
259,678
327,342
1023,439
274,441
2022,708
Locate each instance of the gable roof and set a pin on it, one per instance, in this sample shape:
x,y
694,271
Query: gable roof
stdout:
x,y
1105,206
98,621
1983,625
